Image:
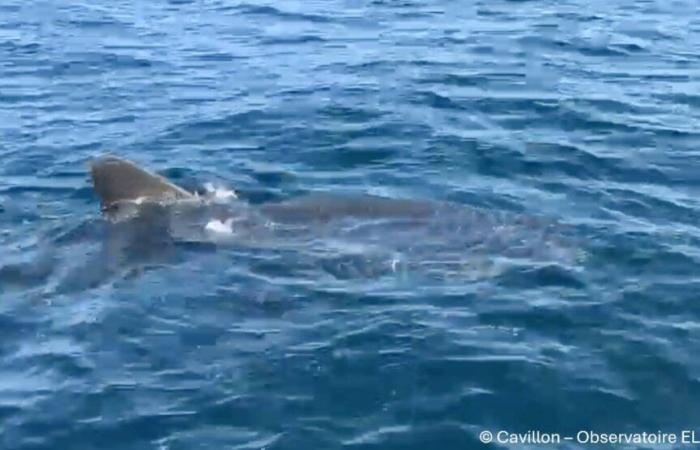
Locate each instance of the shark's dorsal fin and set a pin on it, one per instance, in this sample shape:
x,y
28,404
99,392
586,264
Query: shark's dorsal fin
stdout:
x,y
118,180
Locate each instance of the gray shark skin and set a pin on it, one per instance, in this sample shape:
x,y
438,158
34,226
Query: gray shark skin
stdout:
x,y
325,229
116,180
314,240
120,183
324,207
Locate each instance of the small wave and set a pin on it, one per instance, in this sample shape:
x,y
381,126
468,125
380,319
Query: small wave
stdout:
x,y
284,15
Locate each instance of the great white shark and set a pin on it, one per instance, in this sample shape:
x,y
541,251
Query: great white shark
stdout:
x,y
151,222
424,232
121,184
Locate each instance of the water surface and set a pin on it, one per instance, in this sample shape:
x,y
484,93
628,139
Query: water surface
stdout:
x,y
584,114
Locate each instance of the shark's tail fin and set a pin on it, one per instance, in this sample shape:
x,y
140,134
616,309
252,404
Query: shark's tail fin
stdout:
x,y
117,180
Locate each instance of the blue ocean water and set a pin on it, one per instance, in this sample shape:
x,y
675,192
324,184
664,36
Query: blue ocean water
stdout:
x,y
584,113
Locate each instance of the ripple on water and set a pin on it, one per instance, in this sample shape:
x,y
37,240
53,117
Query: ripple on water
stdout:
x,y
540,110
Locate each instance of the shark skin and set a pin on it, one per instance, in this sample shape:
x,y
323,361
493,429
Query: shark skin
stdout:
x,y
116,180
424,232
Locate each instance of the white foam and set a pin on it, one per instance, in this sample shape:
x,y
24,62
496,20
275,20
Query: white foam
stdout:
x,y
219,193
217,226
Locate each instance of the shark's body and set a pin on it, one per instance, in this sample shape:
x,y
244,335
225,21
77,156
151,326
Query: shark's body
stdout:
x,y
154,223
119,182
419,231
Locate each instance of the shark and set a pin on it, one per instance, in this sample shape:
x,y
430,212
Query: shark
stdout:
x,y
422,230
148,222
121,184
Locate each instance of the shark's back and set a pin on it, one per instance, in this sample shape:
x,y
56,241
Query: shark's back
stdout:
x,y
117,180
